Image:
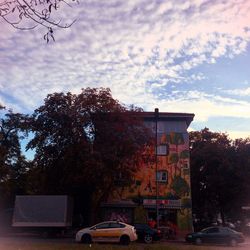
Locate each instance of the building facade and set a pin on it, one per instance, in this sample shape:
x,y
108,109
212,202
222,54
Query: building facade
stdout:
x,y
161,188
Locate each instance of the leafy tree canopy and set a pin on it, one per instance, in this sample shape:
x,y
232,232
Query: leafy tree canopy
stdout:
x,y
220,173
84,140
12,163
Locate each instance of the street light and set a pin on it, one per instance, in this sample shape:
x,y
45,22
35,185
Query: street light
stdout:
x,y
156,166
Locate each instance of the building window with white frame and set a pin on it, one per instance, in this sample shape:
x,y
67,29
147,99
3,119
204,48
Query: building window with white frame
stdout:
x,y
162,176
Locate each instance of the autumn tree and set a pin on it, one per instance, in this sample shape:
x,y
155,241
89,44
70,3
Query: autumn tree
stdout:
x,y
29,14
83,142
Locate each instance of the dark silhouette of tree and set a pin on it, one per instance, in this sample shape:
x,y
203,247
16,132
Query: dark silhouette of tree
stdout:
x,y
219,175
13,164
242,170
29,14
83,142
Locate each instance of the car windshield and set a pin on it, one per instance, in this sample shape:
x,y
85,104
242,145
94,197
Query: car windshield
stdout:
x,y
216,230
209,229
231,230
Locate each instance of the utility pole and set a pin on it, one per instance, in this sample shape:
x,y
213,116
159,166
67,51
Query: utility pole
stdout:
x,y
156,168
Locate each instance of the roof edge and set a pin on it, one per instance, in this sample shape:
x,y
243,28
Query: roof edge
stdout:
x,y
188,117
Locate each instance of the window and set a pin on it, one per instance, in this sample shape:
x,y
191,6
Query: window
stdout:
x,y
162,149
224,230
102,226
116,225
162,176
213,230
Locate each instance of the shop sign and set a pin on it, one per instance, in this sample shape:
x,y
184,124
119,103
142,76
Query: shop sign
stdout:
x,y
164,203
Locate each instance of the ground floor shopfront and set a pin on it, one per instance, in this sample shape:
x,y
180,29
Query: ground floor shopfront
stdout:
x,y
173,218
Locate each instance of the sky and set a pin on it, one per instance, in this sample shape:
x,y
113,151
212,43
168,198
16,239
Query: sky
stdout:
x,y
176,55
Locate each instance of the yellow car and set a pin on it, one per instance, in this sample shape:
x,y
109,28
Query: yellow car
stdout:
x,y
108,231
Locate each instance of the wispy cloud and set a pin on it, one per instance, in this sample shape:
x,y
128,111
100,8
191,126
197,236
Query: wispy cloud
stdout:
x,y
138,48
239,92
204,105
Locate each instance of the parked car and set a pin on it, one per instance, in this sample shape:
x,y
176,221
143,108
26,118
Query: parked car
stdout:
x,y
107,231
147,234
216,235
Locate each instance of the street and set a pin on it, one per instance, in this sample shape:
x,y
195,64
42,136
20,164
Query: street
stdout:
x,y
30,243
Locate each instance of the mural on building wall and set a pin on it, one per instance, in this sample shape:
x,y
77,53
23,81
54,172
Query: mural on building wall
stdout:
x,y
173,176
120,214
176,182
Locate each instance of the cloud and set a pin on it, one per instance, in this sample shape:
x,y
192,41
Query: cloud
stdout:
x,y
138,48
239,92
203,105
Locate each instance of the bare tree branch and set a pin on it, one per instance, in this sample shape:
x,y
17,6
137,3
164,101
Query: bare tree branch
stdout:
x,y
36,12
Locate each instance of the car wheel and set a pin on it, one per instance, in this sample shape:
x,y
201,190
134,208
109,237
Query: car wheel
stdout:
x,y
233,243
148,238
124,240
86,239
198,241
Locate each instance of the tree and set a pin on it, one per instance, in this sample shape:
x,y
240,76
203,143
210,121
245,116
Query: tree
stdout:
x,y
29,14
83,142
242,170
12,163
214,183
219,174
9,144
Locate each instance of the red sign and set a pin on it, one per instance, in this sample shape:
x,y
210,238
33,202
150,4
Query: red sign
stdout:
x,y
171,203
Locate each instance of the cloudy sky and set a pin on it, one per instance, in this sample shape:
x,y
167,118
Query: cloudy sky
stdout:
x,y
180,56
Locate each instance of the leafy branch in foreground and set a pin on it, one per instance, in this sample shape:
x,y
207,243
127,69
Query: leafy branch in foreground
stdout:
x,y
29,14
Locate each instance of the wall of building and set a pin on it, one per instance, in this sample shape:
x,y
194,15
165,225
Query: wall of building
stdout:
x,y
173,165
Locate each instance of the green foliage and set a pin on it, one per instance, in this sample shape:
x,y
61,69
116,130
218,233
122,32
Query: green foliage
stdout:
x,y
180,186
